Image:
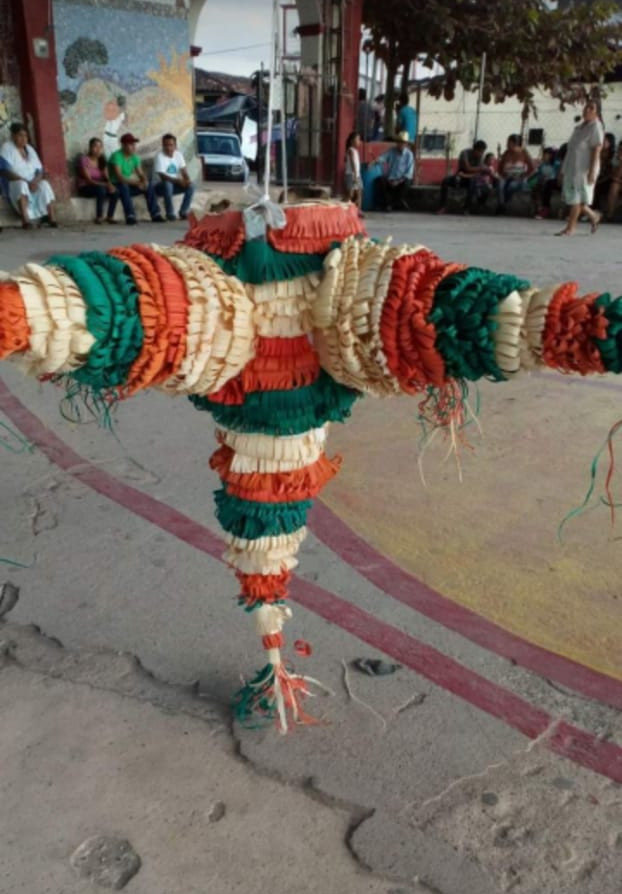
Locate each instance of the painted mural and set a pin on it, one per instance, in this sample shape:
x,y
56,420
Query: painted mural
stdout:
x,y
10,109
10,103
123,67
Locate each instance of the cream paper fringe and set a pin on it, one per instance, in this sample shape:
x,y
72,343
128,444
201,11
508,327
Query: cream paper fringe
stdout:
x,y
348,311
221,332
56,316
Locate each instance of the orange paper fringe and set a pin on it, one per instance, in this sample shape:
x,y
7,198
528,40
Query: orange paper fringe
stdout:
x,y
572,324
14,329
408,339
275,487
257,588
281,364
218,234
314,228
173,289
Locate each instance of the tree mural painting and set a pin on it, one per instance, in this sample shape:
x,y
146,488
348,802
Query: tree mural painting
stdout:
x,y
82,56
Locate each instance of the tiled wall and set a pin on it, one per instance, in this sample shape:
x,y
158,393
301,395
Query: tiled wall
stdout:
x,y
123,65
10,105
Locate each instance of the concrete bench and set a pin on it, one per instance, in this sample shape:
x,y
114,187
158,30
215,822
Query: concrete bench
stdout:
x,y
427,198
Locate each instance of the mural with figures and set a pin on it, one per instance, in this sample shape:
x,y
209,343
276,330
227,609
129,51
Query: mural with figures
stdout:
x,y
10,109
123,69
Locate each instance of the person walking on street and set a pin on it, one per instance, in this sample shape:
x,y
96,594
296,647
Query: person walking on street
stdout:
x,y
171,177
127,175
580,170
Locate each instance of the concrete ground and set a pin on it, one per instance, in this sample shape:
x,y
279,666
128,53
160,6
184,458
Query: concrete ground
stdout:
x,y
490,761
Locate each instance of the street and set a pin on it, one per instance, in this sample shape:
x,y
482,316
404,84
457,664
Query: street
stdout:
x,y
491,759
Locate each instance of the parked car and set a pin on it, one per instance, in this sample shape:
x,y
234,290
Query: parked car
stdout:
x,y
221,154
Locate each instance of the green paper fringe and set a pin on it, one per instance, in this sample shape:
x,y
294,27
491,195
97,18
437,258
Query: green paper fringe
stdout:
x,y
284,412
257,262
611,347
464,305
111,315
249,608
254,704
251,520
587,505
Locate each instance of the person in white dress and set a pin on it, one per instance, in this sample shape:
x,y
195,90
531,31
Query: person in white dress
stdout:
x,y
580,170
29,192
353,181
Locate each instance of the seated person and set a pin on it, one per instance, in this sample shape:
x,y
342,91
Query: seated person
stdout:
x,y
603,181
398,173
552,186
470,166
4,182
29,191
615,185
515,168
126,173
539,181
171,177
93,183
487,180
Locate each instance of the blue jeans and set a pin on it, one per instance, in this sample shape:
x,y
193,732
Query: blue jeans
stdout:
x,y
507,188
167,190
100,193
126,191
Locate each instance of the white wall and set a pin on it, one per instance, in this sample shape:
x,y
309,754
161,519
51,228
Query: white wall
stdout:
x,y
498,121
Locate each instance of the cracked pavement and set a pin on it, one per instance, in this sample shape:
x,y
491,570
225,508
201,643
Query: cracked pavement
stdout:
x,y
406,787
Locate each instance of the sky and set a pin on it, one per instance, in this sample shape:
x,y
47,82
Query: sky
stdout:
x,y
235,35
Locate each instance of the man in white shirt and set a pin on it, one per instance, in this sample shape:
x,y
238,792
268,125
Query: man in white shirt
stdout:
x,y
29,192
171,177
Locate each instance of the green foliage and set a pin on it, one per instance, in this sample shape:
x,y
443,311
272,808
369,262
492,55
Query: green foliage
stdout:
x,y
528,44
82,55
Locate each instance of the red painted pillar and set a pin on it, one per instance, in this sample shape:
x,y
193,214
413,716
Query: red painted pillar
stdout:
x,y
39,88
349,82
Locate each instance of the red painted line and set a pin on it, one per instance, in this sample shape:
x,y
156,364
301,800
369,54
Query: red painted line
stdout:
x,y
564,739
407,589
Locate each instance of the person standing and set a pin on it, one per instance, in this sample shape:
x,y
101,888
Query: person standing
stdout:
x,y
93,183
171,177
364,116
580,170
29,191
126,173
398,173
353,182
407,118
